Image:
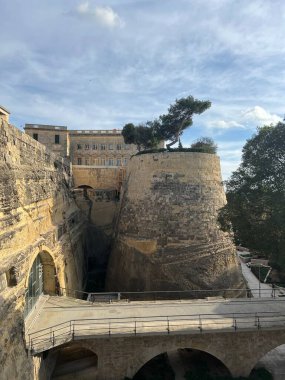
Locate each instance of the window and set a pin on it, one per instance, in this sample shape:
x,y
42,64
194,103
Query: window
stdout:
x,y
79,146
103,161
103,147
79,161
56,139
111,162
86,146
125,161
111,146
118,162
11,277
95,147
36,136
86,161
119,146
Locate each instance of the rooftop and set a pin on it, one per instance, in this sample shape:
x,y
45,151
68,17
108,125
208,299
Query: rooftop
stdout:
x,y
3,110
44,126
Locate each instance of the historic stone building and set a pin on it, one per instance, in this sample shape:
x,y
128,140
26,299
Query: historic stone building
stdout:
x,y
98,157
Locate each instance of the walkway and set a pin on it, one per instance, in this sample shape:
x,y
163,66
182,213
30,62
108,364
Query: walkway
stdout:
x,y
62,319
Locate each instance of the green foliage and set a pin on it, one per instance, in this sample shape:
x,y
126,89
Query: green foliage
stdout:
x,y
129,133
141,135
167,127
206,144
256,195
179,117
160,150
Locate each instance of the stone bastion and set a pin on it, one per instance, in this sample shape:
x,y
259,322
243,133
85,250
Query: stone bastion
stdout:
x,y
167,234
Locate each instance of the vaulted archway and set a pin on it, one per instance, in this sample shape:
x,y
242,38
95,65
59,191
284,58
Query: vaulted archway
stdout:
x,y
41,280
75,361
182,363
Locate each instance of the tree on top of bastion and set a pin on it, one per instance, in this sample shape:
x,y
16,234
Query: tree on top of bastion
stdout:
x,y
168,127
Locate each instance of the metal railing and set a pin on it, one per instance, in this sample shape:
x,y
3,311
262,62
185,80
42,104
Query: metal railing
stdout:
x,y
169,295
132,326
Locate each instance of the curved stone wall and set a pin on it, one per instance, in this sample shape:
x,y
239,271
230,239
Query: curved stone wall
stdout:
x,y
167,235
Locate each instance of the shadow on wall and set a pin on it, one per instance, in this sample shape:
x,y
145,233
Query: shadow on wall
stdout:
x,y
68,362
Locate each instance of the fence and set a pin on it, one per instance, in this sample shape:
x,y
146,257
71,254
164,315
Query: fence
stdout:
x,y
169,295
131,326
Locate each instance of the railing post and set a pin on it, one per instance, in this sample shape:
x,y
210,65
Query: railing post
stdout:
x,y
200,327
109,328
168,328
50,334
53,339
234,323
258,323
135,331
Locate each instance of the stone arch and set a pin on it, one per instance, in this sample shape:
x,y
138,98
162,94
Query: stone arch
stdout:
x,y
76,360
272,359
155,351
182,360
41,278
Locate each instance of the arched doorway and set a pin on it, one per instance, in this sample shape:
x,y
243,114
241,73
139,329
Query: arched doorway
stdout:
x,y
42,279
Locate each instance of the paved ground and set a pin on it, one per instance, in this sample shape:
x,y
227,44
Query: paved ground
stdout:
x,y
274,361
258,289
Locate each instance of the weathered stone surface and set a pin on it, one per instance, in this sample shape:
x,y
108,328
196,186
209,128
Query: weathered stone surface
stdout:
x,y
37,214
167,234
124,356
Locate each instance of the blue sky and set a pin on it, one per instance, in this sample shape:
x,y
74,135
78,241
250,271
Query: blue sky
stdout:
x,y
102,64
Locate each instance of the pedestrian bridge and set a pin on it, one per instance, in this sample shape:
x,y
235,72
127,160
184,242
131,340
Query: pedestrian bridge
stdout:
x,y
126,334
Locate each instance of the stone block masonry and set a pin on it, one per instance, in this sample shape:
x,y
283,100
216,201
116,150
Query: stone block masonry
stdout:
x,y
38,216
167,234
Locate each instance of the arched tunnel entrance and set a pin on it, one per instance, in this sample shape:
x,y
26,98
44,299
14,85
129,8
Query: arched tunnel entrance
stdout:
x,y
74,362
193,364
41,280
183,364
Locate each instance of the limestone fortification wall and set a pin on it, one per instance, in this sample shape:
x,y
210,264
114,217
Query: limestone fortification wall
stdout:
x,y
37,214
167,236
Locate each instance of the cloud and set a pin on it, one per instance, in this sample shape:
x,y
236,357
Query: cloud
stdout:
x,y
247,119
222,124
260,115
103,15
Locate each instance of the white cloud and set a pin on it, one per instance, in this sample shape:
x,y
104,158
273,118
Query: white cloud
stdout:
x,y
101,14
222,124
261,116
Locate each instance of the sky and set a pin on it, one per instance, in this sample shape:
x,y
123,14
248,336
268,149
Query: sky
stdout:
x,y
102,64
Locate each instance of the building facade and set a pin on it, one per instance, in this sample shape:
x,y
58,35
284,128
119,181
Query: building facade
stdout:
x,y
98,157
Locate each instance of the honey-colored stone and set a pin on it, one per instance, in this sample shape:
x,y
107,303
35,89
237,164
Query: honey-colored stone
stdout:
x,y
172,199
